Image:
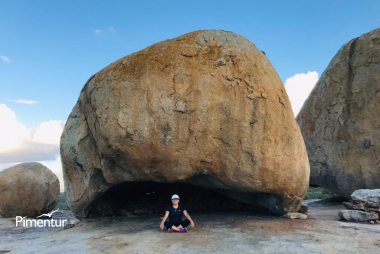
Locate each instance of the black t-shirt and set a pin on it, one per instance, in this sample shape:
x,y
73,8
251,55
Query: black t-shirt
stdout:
x,y
175,215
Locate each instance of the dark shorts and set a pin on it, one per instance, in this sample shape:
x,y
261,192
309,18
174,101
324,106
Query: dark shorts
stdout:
x,y
184,223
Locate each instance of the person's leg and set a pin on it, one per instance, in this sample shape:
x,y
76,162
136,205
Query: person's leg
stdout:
x,y
185,223
175,226
168,225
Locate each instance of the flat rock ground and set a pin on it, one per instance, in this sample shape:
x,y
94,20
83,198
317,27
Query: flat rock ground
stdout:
x,y
218,232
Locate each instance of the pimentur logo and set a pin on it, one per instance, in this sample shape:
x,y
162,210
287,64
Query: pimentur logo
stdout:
x,y
47,214
41,223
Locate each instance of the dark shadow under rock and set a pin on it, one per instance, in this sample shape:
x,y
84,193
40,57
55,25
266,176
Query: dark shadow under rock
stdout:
x,y
326,202
152,197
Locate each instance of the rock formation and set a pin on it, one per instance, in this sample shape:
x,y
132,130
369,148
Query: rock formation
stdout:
x,y
206,109
357,216
366,195
364,206
340,120
28,189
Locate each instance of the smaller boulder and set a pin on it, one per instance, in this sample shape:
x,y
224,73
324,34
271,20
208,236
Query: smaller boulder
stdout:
x,y
366,195
354,205
72,223
296,216
357,216
28,189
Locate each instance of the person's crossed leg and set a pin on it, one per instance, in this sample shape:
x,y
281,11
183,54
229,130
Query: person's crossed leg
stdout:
x,y
176,228
179,226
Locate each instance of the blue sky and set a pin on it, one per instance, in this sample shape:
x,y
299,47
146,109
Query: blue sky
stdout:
x,y
52,47
54,51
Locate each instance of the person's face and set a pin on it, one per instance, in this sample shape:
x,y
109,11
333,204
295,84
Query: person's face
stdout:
x,y
175,201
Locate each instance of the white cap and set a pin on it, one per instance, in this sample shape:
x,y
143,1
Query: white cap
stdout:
x,y
175,196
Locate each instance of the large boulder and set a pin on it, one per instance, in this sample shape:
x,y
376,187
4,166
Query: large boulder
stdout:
x,y
28,189
340,120
206,108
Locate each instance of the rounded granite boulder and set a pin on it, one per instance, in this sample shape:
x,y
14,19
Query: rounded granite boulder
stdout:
x,y
340,120
28,189
206,108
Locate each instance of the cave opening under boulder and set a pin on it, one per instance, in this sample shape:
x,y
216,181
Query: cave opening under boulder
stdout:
x,y
131,198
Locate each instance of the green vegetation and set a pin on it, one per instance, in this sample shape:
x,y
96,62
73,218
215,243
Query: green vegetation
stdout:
x,y
319,193
62,205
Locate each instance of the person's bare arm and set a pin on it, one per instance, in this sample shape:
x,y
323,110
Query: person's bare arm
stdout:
x,y
163,220
189,218
165,217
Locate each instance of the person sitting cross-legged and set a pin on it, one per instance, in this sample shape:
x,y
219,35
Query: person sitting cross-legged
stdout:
x,y
175,222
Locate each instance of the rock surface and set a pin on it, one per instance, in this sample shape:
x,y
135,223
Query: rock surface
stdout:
x,y
28,189
296,216
221,233
206,108
357,216
340,120
366,195
354,206
366,201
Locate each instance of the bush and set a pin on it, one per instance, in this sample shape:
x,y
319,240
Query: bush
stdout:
x,y
319,193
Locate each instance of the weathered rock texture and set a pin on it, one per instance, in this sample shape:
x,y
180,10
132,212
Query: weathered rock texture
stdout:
x,y
206,108
357,216
365,200
296,216
340,120
28,189
366,195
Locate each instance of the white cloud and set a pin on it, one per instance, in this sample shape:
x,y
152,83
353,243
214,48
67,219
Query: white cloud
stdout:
x,y
299,87
19,144
24,101
99,32
48,132
112,29
30,151
12,132
7,165
55,166
5,59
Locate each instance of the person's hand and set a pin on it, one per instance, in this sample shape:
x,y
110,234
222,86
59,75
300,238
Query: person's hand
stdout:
x,y
192,224
162,226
